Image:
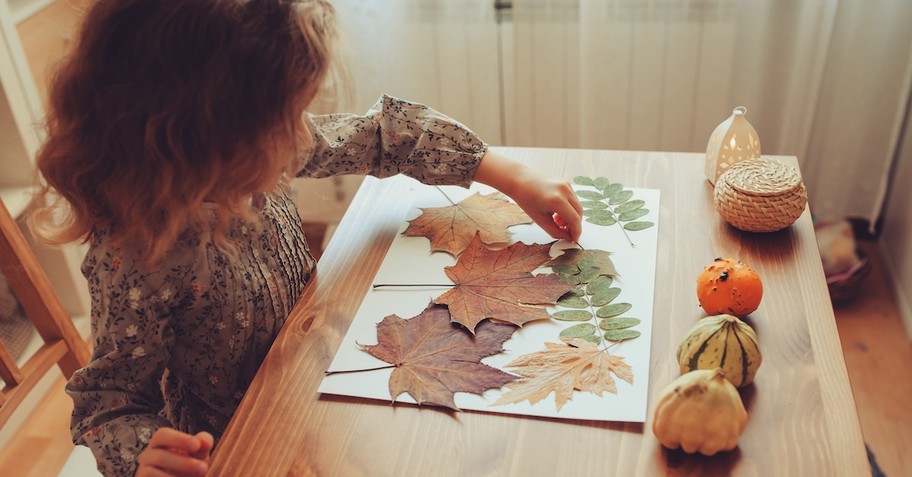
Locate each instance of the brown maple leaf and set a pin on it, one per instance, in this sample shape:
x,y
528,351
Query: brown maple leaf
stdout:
x,y
498,284
564,368
434,358
450,229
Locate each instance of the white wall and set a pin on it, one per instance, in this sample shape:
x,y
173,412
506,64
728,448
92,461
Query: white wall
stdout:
x,y
896,239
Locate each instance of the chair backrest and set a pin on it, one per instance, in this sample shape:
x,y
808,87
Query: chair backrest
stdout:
x,y
62,343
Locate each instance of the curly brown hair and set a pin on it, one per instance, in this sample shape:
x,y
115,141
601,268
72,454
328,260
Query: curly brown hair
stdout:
x,y
164,105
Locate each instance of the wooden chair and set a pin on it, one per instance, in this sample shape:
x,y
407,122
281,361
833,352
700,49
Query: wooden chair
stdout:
x,y
62,343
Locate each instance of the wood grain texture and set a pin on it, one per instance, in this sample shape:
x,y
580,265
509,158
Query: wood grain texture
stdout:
x,y
802,417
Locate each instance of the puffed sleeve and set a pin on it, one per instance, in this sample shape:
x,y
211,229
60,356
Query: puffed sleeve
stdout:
x,y
394,137
117,397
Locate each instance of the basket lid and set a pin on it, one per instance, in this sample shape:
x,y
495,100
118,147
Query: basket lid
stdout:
x,y
762,177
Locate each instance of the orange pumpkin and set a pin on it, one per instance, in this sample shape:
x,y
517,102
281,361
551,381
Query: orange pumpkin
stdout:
x,y
729,286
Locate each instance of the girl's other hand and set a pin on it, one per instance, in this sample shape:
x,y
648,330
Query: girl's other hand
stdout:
x,y
551,203
174,453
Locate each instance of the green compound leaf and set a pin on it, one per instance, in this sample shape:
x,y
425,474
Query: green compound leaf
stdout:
x,y
599,285
590,194
601,183
613,310
585,331
601,221
632,215
593,204
630,206
583,180
572,315
634,226
609,324
573,302
620,197
621,335
605,297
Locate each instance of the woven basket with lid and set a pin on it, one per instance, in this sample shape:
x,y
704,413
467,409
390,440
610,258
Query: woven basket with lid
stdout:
x,y
760,195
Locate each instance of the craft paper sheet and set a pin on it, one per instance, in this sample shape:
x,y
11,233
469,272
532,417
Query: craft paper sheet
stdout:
x,y
409,261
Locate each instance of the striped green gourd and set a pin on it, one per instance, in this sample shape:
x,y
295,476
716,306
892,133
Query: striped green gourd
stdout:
x,y
722,341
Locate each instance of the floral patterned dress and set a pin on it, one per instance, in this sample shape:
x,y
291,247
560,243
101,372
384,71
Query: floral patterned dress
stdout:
x,y
177,344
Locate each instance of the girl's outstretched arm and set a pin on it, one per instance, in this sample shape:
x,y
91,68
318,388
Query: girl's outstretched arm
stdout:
x,y
551,203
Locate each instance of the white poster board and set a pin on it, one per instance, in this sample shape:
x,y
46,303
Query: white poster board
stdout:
x,y
410,261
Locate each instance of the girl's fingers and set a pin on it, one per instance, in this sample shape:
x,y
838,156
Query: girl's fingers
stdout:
x,y
145,471
169,438
172,463
206,440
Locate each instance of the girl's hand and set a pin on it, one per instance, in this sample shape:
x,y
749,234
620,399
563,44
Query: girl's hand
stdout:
x,y
174,453
551,203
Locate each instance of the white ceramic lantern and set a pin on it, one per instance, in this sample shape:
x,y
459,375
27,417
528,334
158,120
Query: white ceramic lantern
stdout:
x,y
732,141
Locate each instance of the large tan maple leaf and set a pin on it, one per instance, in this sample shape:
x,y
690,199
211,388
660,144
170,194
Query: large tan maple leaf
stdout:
x,y
562,369
435,358
499,284
450,229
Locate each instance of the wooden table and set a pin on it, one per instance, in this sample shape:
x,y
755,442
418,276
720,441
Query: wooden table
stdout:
x,y
802,420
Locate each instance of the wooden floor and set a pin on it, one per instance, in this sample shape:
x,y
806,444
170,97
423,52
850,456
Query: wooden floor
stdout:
x,y
876,347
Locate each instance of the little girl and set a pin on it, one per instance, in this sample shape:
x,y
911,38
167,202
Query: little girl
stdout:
x,y
172,128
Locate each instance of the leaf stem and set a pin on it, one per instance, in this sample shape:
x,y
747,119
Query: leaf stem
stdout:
x,y
329,373
445,195
378,285
617,222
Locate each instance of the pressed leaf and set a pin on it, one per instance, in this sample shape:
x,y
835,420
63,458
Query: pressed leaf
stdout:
x,y
450,229
598,213
434,359
608,324
572,315
587,275
613,310
582,330
499,284
593,204
570,278
629,206
573,302
632,215
562,369
590,194
605,297
634,226
599,285
583,180
612,189
575,292
601,183
567,268
621,335
601,221
620,197
592,257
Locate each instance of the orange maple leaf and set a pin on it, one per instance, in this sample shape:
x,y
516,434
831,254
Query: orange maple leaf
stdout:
x,y
564,368
434,358
498,284
450,229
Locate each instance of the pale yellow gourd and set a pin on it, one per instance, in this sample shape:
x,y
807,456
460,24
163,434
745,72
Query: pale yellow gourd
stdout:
x,y
701,412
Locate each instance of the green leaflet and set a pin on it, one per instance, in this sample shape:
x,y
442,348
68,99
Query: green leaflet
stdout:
x,y
585,331
601,221
630,206
572,315
573,302
638,225
613,310
599,285
632,215
609,324
605,297
583,180
621,335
